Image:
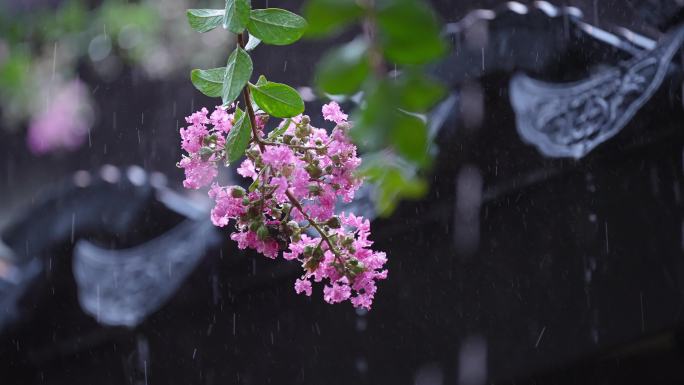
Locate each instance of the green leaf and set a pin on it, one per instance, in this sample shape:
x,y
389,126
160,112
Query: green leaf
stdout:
x,y
252,43
375,119
418,93
328,16
261,81
238,72
236,16
410,138
276,26
209,82
344,69
410,33
278,100
393,180
204,20
238,137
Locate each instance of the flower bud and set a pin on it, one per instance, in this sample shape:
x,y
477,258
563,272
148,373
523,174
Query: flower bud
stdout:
x,y
293,226
355,267
347,241
252,153
287,170
344,127
333,223
209,139
302,131
206,153
314,171
314,189
308,251
263,233
237,192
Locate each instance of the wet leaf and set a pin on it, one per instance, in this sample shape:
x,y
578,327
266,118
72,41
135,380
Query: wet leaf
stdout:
x,y
204,20
278,100
236,16
344,69
328,16
393,180
209,82
419,93
410,137
374,120
238,72
276,26
238,137
410,33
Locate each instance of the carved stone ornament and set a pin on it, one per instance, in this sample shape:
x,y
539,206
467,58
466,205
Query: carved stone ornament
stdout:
x,y
123,287
571,119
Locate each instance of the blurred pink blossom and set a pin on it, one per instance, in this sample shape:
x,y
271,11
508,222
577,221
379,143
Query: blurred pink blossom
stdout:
x,y
64,123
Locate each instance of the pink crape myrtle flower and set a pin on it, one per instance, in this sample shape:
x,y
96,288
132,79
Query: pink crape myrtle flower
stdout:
x,y
198,173
333,113
303,286
295,180
64,123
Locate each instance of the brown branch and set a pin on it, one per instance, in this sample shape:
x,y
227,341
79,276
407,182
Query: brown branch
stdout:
x,y
248,103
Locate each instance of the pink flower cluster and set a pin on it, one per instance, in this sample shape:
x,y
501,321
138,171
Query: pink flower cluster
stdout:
x,y
203,147
298,173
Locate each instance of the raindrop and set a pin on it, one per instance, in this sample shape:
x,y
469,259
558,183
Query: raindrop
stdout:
x,y
541,335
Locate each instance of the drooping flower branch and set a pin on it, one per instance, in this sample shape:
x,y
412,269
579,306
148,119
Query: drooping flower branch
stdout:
x,y
298,172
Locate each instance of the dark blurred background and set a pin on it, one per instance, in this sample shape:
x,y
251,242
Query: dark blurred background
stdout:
x,y
515,268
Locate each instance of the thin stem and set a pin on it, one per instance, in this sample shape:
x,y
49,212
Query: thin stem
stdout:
x,y
313,224
248,103
370,29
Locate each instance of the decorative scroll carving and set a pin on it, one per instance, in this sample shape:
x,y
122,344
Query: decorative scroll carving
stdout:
x,y
570,120
122,287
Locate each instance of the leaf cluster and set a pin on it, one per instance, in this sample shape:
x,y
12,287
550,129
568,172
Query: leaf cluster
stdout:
x,y
387,64
269,26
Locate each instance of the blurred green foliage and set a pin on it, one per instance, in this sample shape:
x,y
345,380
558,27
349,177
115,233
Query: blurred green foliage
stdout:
x,y
401,35
43,45
387,64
